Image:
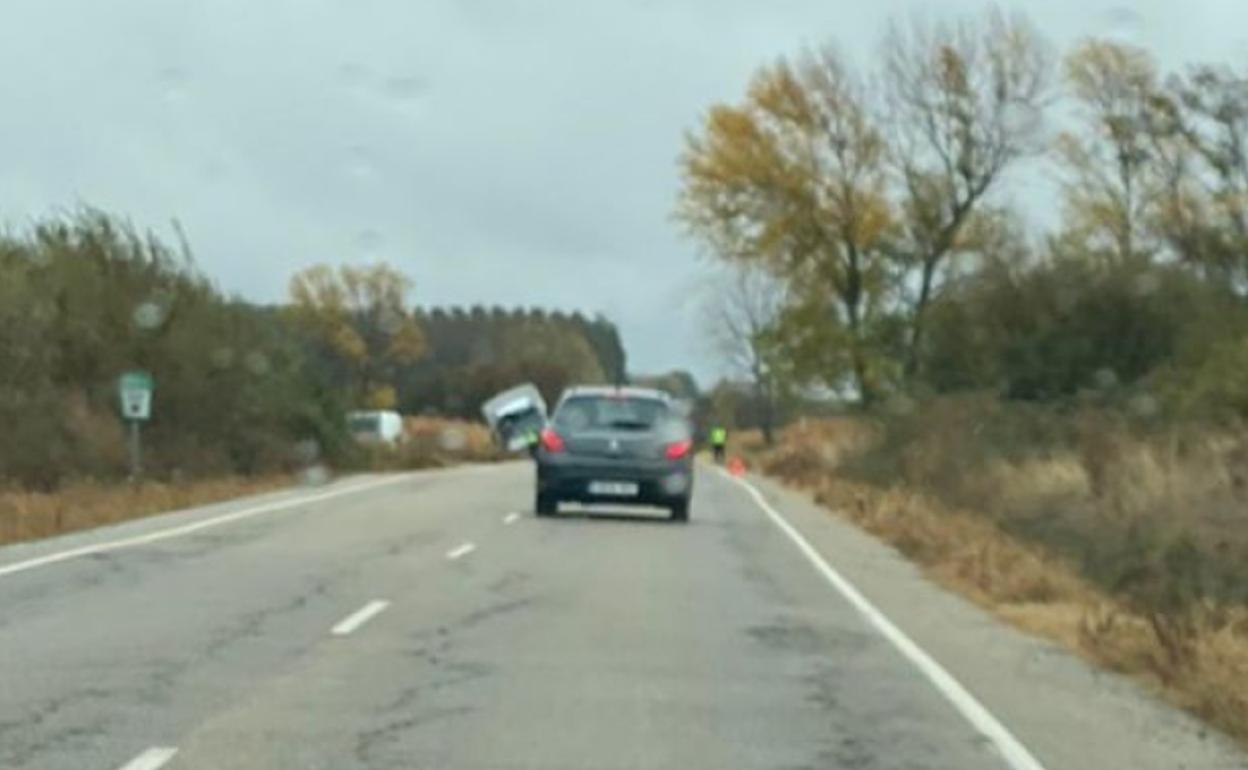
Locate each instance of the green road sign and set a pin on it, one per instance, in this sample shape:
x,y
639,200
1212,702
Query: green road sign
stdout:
x,y
135,389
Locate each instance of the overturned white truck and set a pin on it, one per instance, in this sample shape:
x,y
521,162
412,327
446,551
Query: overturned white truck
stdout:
x,y
516,417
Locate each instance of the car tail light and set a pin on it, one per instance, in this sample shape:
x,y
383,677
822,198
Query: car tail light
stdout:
x,y
551,441
678,449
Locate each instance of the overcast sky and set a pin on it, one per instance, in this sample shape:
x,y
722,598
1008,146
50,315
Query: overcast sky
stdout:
x,y
514,153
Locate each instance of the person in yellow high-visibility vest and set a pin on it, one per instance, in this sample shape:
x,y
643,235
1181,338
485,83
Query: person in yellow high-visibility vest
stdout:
x,y
719,442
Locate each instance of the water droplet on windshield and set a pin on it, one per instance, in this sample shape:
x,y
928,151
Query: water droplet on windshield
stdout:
x,y
900,405
1022,118
307,452
257,363
222,358
391,321
1124,24
149,316
173,84
315,476
369,240
405,87
153,312
360,164
1066,300
1146,284
1105,378
215,170
43,312
1143,405
353,74
452,439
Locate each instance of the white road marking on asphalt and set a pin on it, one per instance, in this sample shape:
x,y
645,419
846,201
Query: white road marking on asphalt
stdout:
x,y
352,622
1017,755
188,529
152,759
459,551
511,518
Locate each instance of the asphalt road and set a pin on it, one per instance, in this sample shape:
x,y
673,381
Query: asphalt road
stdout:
x,y
430,621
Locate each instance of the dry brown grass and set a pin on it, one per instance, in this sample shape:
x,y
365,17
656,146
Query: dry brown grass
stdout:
x,y
1156,612
431,442
451,440
33,515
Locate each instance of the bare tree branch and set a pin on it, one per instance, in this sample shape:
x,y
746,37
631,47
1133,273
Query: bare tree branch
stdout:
x,y
964,102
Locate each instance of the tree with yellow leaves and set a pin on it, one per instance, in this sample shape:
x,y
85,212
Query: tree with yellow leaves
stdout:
x,y
360,317
1204,216
794,179
1112,187
860,202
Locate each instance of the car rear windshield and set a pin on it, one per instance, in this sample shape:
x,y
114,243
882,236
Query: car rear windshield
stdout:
x,y
581,413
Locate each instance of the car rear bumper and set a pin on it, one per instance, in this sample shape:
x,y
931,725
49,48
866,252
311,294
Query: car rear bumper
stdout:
x,y
658,482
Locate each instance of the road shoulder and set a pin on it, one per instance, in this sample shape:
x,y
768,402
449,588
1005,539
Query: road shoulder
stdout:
x,y
1067,712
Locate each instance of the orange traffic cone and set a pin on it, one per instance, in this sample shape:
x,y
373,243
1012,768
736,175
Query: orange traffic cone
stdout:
x,y
736,466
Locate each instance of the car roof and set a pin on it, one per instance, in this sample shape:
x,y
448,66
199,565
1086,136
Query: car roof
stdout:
x,y
626,391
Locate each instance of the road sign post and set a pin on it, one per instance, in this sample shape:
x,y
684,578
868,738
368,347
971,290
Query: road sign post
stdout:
x,y
135,390
136,451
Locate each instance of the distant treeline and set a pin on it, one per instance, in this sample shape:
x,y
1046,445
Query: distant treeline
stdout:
x,y
473,353
239,388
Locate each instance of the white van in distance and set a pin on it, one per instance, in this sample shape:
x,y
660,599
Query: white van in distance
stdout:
x,y
378,426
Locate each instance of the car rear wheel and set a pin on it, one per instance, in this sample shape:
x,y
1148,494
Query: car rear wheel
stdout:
x,y
680,510
546,505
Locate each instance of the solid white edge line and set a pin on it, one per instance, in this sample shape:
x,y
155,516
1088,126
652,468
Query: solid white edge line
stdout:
x,y
352,622
980,718
152,759
461,550
187,529
246,513
511,518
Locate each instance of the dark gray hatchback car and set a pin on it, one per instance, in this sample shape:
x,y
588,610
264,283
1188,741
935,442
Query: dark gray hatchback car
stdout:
x,y
616,445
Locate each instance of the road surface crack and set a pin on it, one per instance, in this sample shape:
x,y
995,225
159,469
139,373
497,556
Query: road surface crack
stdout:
x,y
21,739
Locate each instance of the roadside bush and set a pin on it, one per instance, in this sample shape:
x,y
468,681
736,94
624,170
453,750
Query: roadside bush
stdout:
x,y
1155,513
85,297
1067,326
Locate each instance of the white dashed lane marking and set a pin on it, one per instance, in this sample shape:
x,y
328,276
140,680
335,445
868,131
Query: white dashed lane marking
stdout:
x,y
152,759
352,622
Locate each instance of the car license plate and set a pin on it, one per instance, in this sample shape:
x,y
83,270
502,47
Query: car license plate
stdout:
x,y
613,488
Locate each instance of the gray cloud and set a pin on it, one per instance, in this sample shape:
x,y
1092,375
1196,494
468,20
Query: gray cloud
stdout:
x,y
468,141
